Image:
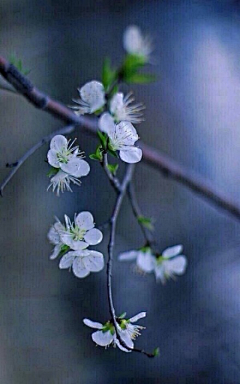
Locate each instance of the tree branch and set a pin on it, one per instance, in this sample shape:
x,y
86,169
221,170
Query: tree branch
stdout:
x,y
113,221
151,156
65,130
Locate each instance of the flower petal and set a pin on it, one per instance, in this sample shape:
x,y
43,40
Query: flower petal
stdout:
x,y
137,317
116,103
125,336
159,273
132,39
130,154
120,346
93,95
76,245
146,262
53,159
128,256
106,124
127,132
76,167
94,262
177,265
84,220
53,236
172,251
67,260
102,338
78,268
56,251
92,324
58,142
94,236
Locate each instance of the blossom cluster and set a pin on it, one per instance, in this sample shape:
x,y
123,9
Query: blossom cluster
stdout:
x,y
107,334
164,266
71,241
116,114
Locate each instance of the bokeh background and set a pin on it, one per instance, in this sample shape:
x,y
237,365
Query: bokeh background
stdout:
x,y
193,115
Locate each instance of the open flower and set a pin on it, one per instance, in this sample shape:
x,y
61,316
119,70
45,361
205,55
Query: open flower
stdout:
x,y
81,233
55,239
144,258
61,182
170,263
121,109
82,262
122,137
64,156
136,43
92,98
106,334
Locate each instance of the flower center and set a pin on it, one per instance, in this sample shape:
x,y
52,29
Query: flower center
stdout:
x,y
63,155
78,233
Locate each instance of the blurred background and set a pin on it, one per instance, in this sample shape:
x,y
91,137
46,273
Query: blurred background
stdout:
x,y
192,114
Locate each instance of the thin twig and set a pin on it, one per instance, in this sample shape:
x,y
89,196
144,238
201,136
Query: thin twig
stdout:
x,y
138,214
113,221
16,165
113,180
151,156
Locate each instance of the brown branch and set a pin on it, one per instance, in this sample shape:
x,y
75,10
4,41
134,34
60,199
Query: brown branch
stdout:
x,y
151,156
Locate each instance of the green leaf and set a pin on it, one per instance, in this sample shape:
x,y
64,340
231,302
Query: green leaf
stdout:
x,y
122,316
146,222
19,65
113,168
103,138
140,78
98,154
52,172
64,249
132,63
108,74
156,351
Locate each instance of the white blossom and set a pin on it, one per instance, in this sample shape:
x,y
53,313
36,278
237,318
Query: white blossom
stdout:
x,y
170,263
121,109
122,137
81,233
82,262
136,43
145,260
68,160
106,334
92,98
61,182
64,156
55,239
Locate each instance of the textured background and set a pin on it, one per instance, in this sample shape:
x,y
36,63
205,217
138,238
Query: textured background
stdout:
x,y
193,115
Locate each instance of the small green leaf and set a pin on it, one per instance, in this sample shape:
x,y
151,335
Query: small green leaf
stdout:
x,y
64,249
113,168
98,154
52,172
146,222
122,316
140,78
156,351
108,74
103,138
93,157
132,63
19,65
